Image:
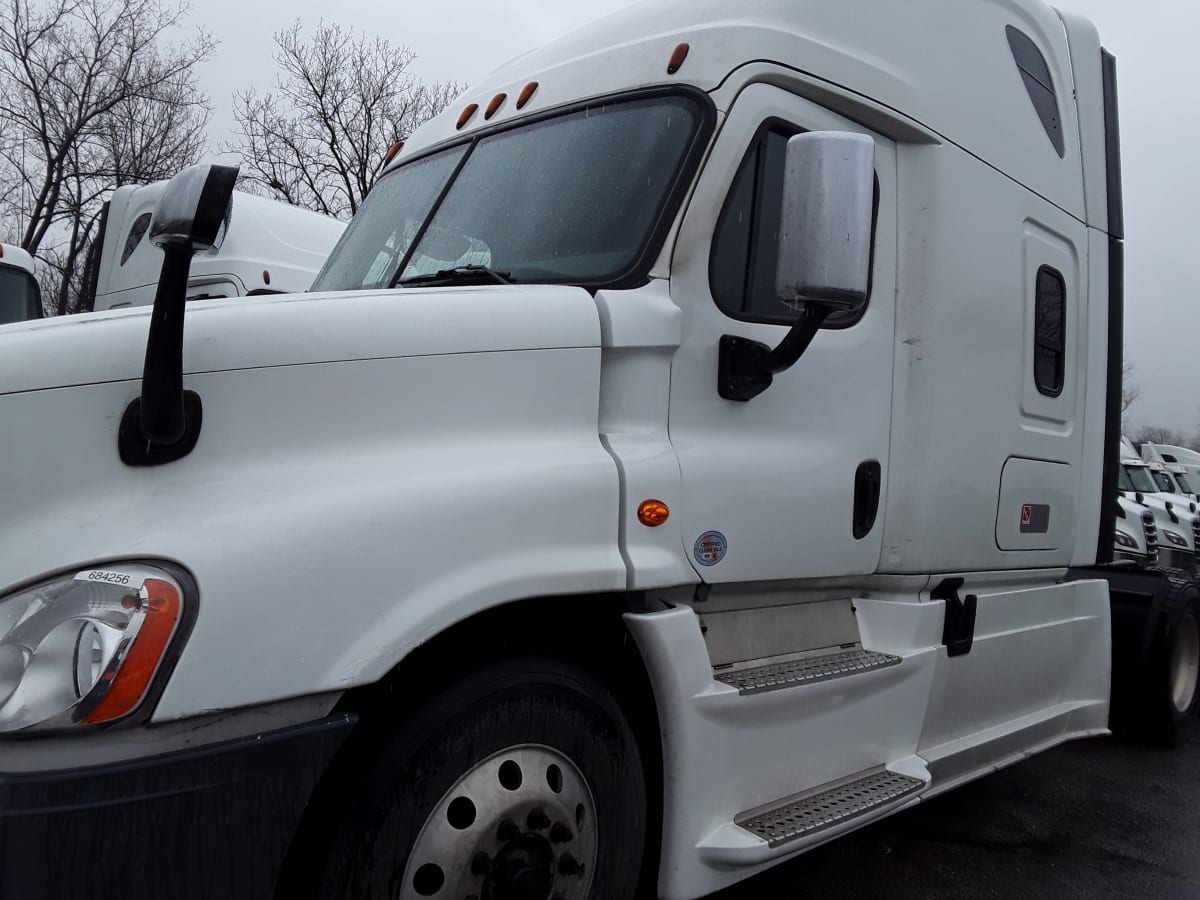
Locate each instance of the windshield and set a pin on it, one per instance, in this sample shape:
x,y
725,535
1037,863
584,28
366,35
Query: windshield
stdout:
x,y
1184,482
19,296
1165,484
1141,480
574,199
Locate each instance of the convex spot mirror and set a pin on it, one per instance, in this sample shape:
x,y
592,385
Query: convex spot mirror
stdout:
x,y
194,206
826,220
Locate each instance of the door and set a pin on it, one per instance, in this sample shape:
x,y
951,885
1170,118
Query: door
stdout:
x,y
769,486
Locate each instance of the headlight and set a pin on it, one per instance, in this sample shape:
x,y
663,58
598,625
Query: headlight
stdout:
x,y
1176,539
1125,540
83,648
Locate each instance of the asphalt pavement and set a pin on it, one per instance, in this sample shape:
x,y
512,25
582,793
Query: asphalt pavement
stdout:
x,y
1095,818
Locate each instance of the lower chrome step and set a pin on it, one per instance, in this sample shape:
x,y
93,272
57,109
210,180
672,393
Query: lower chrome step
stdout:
x,y
807,670
828,806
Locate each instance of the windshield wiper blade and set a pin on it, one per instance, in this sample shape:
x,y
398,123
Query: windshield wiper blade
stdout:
x,y
457,274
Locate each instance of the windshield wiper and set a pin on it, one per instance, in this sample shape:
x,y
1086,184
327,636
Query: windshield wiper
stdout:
x,y
457,275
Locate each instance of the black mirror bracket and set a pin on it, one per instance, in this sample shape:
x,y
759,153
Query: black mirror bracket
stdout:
x,y
163,424
746,368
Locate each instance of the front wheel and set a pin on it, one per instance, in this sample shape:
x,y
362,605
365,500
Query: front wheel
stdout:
x,y
522,782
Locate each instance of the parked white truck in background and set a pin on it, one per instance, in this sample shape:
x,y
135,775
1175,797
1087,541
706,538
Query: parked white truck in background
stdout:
x,y
20,295
267,247
702,443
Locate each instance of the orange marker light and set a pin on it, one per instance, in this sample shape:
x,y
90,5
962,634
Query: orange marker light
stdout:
x,y
653,513
677,58
465,116
496,103
133,677
392,151
266,277
526,93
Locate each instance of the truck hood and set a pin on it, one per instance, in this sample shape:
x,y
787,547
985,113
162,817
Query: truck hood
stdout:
x,y
286,330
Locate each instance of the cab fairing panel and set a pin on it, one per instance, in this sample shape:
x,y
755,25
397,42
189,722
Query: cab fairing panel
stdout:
x,y
371,505
961,373
944,63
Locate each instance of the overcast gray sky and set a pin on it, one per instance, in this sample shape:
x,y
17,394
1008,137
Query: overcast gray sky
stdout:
x,y
1153,40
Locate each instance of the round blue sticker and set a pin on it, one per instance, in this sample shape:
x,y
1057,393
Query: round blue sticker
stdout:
x,y
710,548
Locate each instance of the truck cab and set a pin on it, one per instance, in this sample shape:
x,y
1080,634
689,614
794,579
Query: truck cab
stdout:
x,y
20,294
267,247
702,442
1175,515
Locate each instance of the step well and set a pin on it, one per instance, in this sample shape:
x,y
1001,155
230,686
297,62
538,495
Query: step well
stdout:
x,y
807,669
806,815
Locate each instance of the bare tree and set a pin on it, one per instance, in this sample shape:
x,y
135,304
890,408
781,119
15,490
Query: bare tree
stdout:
x,y
1130,390
94,98
340,101
1158,434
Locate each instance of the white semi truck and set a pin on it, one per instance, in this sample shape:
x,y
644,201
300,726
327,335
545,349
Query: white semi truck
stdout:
x,y
266,247
702,443
20,295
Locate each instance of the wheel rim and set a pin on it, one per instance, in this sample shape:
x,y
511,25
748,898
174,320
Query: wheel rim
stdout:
x,y
520,825
1185,663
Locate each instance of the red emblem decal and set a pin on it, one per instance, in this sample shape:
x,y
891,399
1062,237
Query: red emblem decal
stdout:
x,y
1026,514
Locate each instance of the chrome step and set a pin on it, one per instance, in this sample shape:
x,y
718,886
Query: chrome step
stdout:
x,y
829,806
807,670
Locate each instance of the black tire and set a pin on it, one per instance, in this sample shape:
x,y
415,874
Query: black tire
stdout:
x,y
1172,705
531,702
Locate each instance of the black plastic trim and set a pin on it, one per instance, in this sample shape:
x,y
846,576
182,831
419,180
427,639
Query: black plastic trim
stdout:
x,y
1040,342
135,450
637,273
867,482
958,627
1112,145
212,821
1112,406
1039,85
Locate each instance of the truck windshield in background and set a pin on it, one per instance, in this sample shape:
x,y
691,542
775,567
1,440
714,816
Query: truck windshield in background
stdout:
x,y
20,298
576,198
1139,477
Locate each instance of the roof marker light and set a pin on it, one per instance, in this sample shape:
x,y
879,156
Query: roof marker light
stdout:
x,y
496,103
266,277
465,116
526,93
392,151
677,58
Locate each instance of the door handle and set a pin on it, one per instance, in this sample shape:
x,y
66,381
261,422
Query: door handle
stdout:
x,y
867,482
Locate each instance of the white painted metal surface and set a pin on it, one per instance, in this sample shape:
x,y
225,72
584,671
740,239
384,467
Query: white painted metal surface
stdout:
x,y
375,467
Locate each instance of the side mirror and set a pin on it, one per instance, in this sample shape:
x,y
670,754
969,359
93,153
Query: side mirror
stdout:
x,y
163,424
825,224
824,263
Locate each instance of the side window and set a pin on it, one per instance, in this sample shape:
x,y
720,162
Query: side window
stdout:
x,y
1049,364
136,232
745,245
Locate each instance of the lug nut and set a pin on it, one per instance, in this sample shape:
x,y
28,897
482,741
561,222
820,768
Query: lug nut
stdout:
x,y
538,820
481,864
508,831
561,834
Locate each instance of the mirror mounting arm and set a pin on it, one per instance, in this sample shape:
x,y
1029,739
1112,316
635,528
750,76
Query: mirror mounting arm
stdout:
x,y
746,368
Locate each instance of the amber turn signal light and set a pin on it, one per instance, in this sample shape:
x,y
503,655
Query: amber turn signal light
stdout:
x,y
526,94
653,513
496,103
465,116
677,58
